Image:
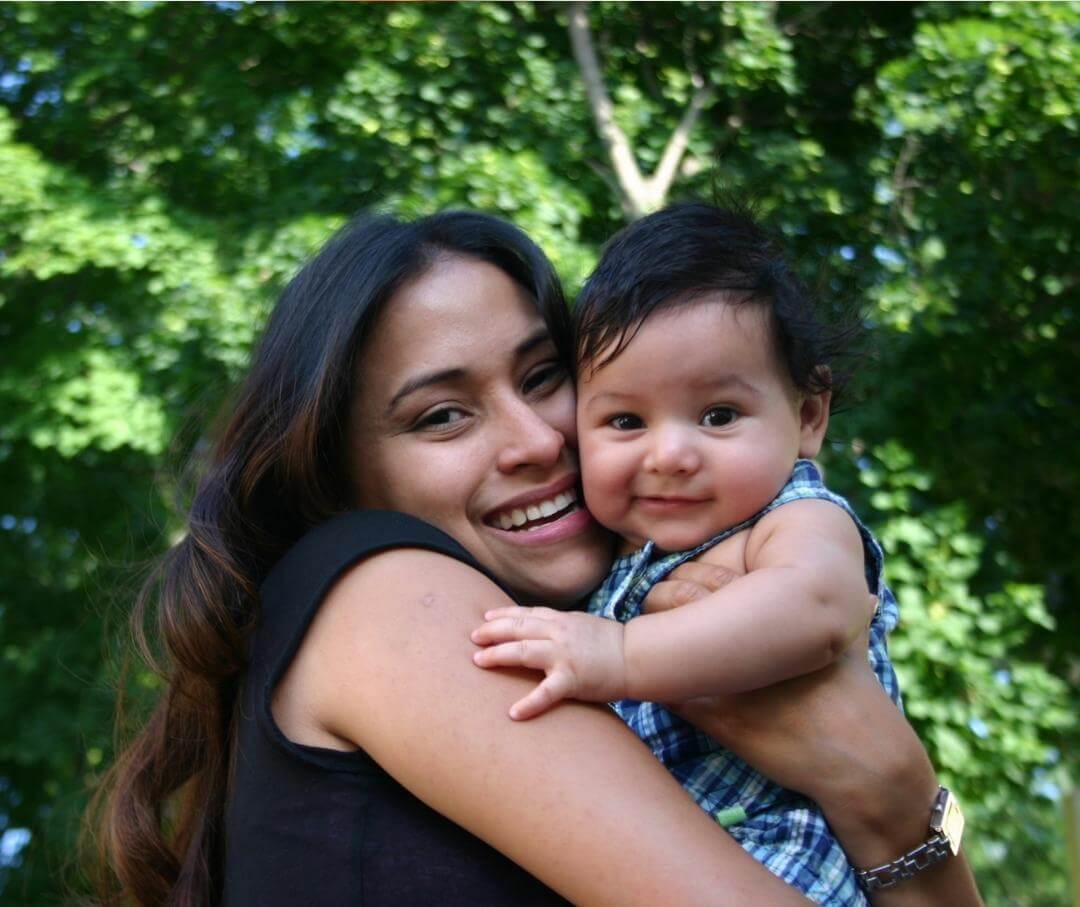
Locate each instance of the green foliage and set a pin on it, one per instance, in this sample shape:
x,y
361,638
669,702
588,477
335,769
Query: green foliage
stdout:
x,y
165,167
988,711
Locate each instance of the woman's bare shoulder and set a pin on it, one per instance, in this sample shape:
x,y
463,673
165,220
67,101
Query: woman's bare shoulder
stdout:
x,y
388,617
404,600
401,583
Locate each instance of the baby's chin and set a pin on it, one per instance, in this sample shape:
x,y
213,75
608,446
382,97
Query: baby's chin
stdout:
x,y
668,539
666,544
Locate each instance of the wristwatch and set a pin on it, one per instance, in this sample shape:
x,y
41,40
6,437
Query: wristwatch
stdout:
x,y
946,829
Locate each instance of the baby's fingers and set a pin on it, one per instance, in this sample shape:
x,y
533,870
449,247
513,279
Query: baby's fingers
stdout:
x,y
538,654
505,629
555,687
520,611
508,611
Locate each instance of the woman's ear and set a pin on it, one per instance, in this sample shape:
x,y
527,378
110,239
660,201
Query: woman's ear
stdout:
x,y
814,417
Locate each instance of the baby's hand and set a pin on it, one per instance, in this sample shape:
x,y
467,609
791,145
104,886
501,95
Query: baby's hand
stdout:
x,y
581,655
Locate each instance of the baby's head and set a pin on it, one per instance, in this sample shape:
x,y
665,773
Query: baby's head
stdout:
x,y
703,374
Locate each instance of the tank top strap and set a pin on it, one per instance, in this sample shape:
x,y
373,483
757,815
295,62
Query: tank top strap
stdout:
x,y
295,588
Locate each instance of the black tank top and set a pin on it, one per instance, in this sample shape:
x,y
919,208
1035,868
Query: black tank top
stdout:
x,y
307,825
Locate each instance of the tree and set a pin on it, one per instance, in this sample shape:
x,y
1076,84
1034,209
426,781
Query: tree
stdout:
x,y
165,167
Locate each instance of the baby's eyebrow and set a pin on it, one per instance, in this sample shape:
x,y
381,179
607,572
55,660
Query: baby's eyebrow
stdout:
x,y
605,397
712,382
730,379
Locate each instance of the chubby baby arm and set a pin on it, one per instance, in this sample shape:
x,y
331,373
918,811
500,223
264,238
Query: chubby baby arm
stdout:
x,y
582,656
801,603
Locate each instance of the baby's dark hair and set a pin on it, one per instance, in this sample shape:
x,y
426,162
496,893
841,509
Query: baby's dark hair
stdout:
x,y
689,251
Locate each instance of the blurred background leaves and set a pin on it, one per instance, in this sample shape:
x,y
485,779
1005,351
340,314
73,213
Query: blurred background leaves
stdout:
x,y
165,167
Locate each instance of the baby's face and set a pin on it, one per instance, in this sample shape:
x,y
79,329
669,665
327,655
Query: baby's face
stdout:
x,y
693,427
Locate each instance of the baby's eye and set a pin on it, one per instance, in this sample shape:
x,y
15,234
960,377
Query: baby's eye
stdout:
x,y
439,419
719,416
548,375
625,422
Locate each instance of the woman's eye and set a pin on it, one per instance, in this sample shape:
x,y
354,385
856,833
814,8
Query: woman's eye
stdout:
x,y
548,375
719,416
625,422
437,419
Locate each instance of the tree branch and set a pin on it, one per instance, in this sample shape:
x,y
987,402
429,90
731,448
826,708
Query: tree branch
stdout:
x,y
664,175
638,194
614,139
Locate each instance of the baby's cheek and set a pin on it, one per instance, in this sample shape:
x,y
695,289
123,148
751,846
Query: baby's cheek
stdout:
x,y
606,478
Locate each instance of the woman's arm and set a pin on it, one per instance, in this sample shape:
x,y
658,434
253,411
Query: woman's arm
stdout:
x,y
837,737
572,797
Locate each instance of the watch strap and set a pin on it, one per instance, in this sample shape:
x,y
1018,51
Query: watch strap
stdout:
x,y
932,851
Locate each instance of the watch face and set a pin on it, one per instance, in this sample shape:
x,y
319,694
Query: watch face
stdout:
x,y
952,823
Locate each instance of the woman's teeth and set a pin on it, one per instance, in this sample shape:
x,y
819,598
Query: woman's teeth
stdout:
x,y
519,516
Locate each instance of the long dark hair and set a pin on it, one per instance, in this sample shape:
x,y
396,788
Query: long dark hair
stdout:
x,y
275,470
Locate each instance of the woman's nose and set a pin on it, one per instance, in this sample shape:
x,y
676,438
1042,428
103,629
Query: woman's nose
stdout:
x,y
528,440
672,453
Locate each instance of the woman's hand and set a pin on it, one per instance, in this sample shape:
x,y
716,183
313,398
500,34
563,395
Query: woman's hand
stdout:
x,y
582,656
835,736
687,583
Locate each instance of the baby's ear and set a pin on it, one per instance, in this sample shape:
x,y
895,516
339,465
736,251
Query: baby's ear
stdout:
x,y
814,416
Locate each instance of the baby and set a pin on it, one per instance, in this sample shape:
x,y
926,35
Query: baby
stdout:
x,y
704,388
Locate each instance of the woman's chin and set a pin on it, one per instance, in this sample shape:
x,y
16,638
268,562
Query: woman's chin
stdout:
x,y
557,564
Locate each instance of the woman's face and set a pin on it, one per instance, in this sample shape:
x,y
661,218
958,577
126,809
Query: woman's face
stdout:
x,y
464,417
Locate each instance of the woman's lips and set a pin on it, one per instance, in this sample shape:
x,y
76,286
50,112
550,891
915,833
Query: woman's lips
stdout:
x,y
538,511
539,504
567,484
573,522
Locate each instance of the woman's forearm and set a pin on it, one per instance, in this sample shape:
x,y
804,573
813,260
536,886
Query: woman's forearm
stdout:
x,y
878,817
837,738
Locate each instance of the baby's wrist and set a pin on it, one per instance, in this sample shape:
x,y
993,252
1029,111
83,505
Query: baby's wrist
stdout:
x,y
631,651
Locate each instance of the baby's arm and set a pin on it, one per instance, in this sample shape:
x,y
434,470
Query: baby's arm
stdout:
x,y
801,603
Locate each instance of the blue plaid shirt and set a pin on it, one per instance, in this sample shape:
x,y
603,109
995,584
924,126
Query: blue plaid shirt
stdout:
x,y
781,829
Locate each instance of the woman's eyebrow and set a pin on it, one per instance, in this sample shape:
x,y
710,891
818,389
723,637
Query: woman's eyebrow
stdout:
x,y
535,339
420,381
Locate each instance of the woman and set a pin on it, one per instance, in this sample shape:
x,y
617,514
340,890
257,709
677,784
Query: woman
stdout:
x,y
348,748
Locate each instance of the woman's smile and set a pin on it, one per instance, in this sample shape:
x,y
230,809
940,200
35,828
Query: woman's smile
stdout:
x,y
535,510
553,520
